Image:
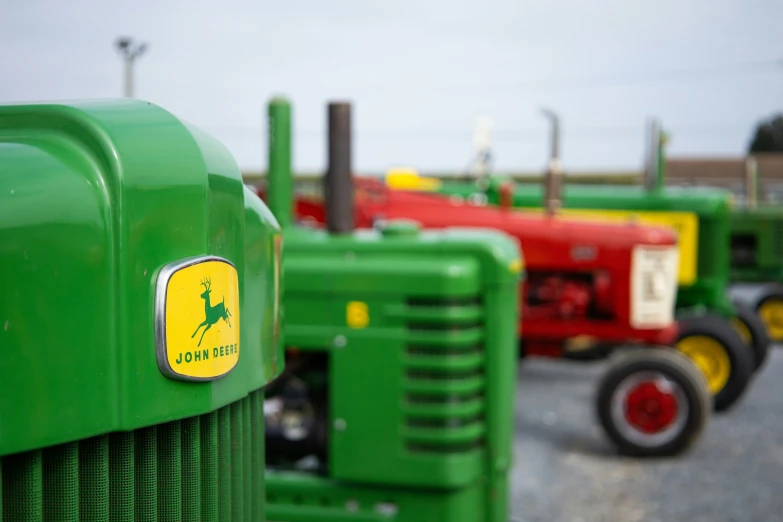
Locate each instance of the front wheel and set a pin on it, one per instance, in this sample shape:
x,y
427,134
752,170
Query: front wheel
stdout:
x,y
718,351
653,402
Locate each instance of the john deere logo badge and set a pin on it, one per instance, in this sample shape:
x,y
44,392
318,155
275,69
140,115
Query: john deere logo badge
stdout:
x,y
197,319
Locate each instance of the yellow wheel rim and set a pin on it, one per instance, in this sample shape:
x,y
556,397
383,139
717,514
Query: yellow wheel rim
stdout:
x,y
742,329
710,357
771,314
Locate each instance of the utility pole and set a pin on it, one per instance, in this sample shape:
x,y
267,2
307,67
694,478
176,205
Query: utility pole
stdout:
x,y
129,53
552,201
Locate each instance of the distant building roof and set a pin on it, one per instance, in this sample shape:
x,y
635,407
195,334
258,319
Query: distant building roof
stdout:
x,y
728,173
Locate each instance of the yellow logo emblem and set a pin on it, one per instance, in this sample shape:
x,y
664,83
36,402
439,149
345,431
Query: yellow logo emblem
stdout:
x,y
357,314
197,319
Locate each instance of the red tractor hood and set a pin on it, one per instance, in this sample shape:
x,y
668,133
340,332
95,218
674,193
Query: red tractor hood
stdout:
x,y
544,239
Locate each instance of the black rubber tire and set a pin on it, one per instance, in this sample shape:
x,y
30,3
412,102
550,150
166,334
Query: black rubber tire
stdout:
x,y
773,292
740,356
675,367
758,333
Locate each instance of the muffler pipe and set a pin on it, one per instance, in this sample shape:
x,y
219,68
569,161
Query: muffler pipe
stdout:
x,y
338,182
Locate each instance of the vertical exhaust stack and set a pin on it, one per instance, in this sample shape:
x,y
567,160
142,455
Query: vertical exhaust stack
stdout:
x,y
653,172
280,180
554,174
338,182
751,183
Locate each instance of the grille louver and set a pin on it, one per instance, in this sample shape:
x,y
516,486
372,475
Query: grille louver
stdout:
x,y
205,468
444,403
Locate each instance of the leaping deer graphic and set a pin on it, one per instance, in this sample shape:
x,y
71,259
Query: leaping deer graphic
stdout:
x,y
213,313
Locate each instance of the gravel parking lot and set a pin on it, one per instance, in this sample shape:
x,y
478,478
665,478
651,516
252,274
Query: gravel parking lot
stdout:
x,y
566,470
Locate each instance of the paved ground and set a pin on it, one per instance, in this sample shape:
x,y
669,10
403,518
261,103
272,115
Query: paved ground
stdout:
x,y
567,471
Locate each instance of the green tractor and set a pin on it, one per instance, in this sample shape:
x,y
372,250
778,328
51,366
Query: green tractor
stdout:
x,y
397,398
137,270
702,220
757,252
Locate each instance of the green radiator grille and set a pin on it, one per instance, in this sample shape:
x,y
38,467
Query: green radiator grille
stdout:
x,y
777,227
444,402
205,468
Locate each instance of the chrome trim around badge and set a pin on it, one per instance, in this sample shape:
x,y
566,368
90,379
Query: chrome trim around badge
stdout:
x,y
161,288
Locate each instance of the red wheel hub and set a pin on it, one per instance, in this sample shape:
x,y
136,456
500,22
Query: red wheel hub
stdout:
x,y
650,408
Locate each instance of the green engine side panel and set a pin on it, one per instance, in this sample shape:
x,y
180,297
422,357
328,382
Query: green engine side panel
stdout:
x,y
761,230
95,198
703,201
422,384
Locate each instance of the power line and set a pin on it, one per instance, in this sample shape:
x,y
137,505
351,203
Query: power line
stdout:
x,y
659,76
697,73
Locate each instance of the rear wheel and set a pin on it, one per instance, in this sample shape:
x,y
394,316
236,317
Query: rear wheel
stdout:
x,y
753,333
718,351
653,402
769,308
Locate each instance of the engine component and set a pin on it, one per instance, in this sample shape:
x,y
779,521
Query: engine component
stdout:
x,y
568,296
295,423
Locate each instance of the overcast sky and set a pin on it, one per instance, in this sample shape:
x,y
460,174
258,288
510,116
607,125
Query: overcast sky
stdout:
x,y
421,72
